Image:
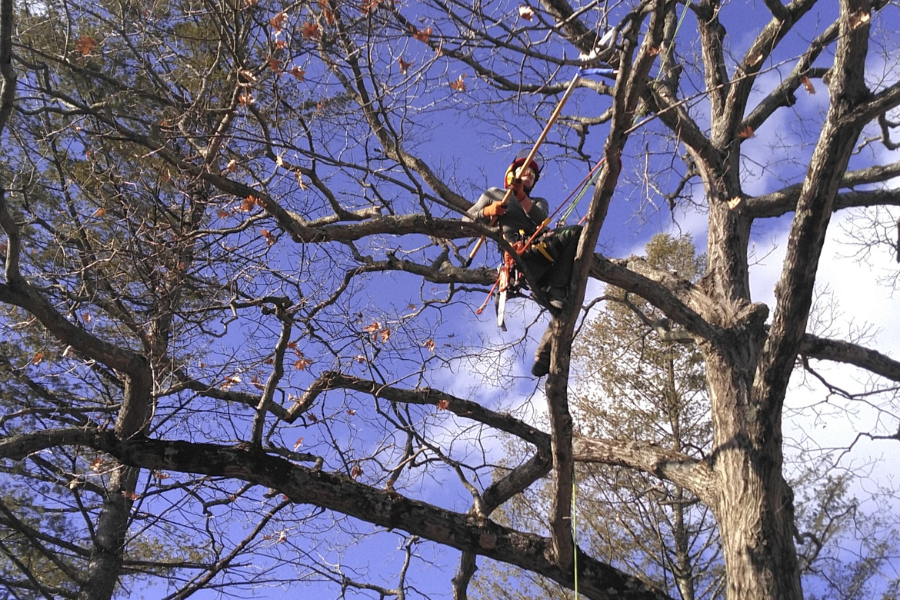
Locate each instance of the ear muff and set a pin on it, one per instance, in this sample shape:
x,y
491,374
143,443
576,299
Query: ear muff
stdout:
x,y
510,175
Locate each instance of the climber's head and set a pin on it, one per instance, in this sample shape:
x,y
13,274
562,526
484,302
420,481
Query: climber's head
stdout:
x,y
518,168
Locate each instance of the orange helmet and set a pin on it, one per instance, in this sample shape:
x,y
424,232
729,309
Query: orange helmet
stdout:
x,y
535,165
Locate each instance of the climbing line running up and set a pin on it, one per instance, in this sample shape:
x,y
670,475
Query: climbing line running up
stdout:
x,y
582,188
587,182
575,532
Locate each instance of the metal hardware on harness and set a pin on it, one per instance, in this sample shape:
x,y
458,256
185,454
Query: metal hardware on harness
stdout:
x,y
542,248
509,281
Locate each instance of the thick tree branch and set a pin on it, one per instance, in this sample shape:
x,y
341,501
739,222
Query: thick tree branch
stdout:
x,y
814,207
444,272
785,199
680,469
66,333
466,533
712,36
673,113
880,103
7,101
778,9
851,354
684,303
267,397
7,73
575,31
497,493
633,70
301,232
783,94
738,92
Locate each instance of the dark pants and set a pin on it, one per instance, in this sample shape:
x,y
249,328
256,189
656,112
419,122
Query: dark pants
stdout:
x,y
554,277
561,245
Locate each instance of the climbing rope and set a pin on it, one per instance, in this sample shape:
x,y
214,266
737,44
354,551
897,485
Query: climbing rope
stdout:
x,y
581,190
589,180
665,58
575,532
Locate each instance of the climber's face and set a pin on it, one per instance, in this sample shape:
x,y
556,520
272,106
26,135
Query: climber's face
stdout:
x,y
526,175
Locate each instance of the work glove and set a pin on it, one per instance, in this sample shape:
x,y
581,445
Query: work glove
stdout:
x,y
497,209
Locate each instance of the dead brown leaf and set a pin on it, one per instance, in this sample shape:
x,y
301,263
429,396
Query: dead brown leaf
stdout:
x,y
310,31
298,73
423,35
85,44
807,84
459,85
277,22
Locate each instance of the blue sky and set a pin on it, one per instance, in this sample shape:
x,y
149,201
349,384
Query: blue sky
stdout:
x,y
477,153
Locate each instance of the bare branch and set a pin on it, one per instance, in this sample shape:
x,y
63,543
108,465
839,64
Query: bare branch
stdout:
x,y
785,200
851,354
386,509
496,494
680,469
443,401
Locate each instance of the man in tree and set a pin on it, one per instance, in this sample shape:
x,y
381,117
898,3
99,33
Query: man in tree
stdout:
x,y
549,257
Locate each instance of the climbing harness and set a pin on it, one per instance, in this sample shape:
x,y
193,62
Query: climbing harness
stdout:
x,y
509,280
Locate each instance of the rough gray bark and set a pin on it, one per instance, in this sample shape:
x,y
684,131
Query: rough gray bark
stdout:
x,y
302,485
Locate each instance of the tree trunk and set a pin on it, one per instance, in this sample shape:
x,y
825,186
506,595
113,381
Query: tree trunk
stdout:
x,y
682,568
748,370
105,565
108,553
754,505
682,565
